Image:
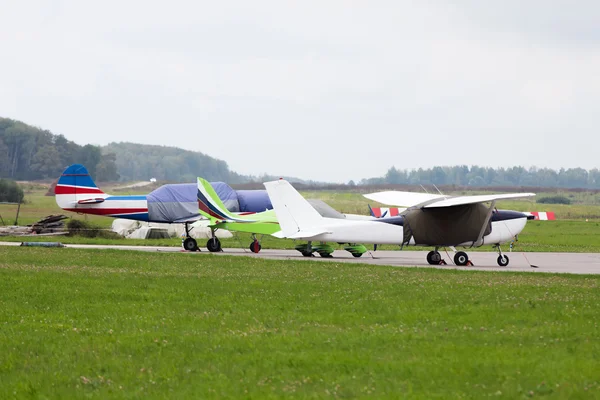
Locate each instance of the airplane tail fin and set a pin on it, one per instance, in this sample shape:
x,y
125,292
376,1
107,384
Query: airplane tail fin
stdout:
x,y
297,218
76,184
211,206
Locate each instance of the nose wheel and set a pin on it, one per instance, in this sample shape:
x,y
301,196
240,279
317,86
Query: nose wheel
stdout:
x,y
502,258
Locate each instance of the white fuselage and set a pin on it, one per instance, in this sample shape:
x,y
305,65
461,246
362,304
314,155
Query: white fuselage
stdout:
x,y
376,232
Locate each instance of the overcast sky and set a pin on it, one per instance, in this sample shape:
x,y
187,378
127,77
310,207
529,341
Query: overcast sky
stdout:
x,y
327,90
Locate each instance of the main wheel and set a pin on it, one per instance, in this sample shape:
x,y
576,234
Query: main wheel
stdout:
x,y
434,258
326,255
255,246
307,253
190,244
503,260
357,254
213,245
461,258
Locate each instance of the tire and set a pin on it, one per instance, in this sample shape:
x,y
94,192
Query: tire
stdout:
x,y
213,245
434,258
502,260
307,253
255,246
190,244
461,258
326,255
357,254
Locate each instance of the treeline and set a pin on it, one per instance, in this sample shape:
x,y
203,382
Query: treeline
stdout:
x,y
481,177
29,153
142,162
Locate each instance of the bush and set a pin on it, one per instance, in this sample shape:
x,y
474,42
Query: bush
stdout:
x,y
10,191
554,200
78,227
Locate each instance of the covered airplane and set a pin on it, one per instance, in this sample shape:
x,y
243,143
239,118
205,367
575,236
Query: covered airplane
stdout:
x,y
265,223
173,203
429,220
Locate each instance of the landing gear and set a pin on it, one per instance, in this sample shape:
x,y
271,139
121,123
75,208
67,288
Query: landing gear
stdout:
x,y
461,258
305,249
356,250
255,245
434,257
189,243
325,250
214,244
502,258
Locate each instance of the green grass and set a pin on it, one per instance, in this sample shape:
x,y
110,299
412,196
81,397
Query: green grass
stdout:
x,y
117,324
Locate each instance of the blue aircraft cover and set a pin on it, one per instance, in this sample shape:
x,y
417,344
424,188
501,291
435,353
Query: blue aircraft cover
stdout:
x,y
227,195
179,202
253,200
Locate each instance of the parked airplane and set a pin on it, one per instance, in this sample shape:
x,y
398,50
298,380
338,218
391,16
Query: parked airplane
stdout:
x,y
265,223
431,220
173,203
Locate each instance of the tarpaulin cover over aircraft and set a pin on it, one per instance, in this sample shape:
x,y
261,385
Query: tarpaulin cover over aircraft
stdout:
x,y
179,202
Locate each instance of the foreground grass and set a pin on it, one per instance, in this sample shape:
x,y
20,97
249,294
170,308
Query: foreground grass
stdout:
x,y
81,323
538,236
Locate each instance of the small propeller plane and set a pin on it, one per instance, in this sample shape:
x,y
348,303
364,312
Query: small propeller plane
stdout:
x,y
264,223
429,220
172,203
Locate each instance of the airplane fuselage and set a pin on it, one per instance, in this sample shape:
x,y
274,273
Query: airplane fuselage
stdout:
x,y
505,226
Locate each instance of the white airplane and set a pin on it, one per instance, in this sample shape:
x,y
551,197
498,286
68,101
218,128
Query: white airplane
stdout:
x,y
429,220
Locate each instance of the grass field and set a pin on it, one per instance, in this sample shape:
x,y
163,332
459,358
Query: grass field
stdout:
x,y
117,324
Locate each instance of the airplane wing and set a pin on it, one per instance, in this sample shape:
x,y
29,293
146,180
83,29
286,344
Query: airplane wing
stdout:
x,y
460,200
426,200
403,199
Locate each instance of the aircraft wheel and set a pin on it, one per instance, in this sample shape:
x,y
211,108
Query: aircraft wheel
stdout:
x,y
190,244
326,255
307,254
461,258
255,246
434,258
502,261
213,245
357,254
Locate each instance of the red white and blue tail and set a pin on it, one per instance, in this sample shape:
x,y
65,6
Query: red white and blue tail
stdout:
x,y
76,191
75,186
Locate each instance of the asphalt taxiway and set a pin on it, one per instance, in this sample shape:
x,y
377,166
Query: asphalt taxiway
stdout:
x,y
572,263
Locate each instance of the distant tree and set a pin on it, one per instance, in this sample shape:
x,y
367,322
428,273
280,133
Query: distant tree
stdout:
x,y
351,183
47,162
10,191
107,168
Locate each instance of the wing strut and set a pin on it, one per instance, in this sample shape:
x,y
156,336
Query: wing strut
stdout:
x,y
487,220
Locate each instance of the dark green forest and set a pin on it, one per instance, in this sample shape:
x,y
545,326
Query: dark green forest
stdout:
x,y
142,162
463,175
30,153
